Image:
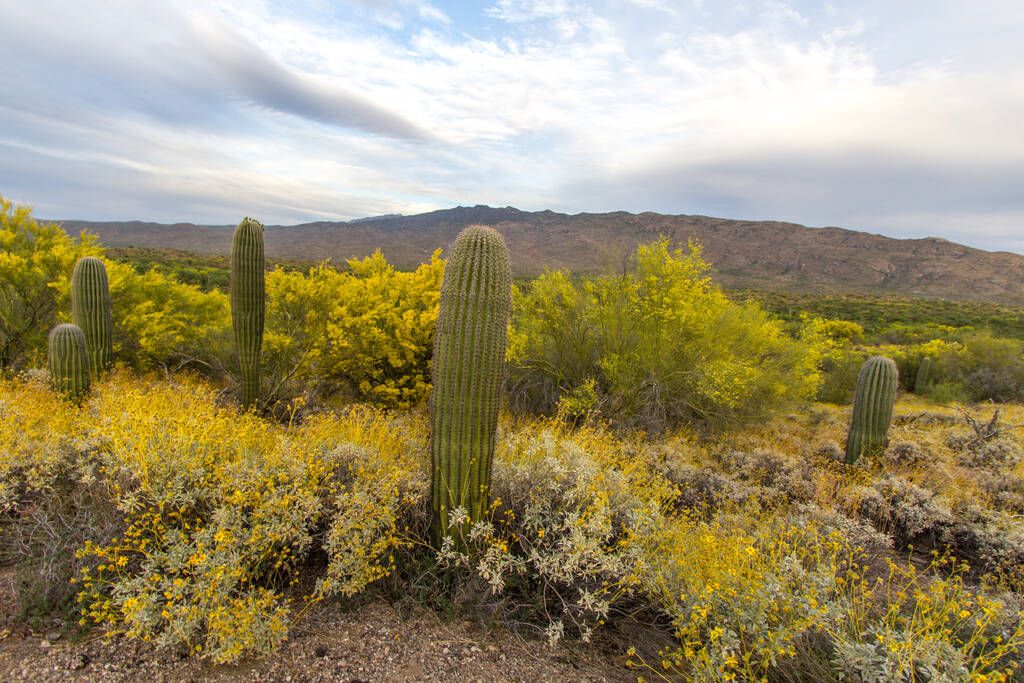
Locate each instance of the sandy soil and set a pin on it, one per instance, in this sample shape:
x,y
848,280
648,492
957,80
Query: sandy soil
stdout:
x,y
371,643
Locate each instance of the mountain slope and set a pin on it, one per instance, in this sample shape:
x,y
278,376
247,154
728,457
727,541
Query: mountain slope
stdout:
x,y
751,254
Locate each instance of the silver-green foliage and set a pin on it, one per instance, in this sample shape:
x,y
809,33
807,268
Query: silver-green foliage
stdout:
x,y
468,367
873,400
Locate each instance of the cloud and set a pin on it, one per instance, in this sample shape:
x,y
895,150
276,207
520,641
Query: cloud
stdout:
x,y
250,72
758,109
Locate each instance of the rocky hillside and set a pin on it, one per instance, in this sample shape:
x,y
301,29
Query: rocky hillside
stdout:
x,y
749,254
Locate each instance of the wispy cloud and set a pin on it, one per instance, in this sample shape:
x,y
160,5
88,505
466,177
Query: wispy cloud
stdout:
x,y
754,109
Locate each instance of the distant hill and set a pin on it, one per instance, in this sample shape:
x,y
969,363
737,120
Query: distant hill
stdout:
x,y
765,255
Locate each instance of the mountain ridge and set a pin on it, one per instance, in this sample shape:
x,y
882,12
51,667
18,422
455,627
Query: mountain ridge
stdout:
x,y
771,255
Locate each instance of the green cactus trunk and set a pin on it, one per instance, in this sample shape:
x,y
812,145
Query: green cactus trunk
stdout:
x,y
924,371
69,361
468,367
248,304
90,309
873,401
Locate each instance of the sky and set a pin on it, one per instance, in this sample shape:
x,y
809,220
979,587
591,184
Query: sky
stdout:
x,y
904,118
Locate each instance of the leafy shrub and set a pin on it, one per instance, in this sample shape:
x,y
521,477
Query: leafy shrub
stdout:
x,y
35,272
160,322
933,627
562,547
662,345
741,591
366,332
216,512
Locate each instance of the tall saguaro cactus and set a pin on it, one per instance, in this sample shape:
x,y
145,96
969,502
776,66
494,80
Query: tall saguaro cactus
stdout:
x,y
69,361
248,303
469,359
90,309
873,401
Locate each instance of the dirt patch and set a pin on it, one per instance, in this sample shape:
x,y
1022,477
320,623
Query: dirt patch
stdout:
x,y
372,643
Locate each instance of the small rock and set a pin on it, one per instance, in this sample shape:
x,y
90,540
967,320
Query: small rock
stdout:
x,y
53,635
79,662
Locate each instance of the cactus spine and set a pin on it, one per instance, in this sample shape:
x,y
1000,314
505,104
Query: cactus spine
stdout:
x,y
924,371
468,367
873,401
90,309
69,361
248,301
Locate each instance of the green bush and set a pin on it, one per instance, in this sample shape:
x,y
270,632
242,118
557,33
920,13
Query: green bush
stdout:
x,y
35,272
661,343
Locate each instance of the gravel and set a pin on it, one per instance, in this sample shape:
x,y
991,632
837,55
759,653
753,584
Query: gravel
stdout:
x,y
371,643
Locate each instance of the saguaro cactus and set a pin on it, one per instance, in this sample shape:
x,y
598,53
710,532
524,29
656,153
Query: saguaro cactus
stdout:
x,y
924,371
69,361
469,359
90,309
248,303
873,401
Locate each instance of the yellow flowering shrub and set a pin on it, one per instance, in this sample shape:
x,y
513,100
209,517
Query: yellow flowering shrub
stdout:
x,y
661,344
367,330
751,564
35,272
39,433
927,627
742,589
159,321
219,509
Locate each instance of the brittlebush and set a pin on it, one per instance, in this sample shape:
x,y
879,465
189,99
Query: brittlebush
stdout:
x,y
219,510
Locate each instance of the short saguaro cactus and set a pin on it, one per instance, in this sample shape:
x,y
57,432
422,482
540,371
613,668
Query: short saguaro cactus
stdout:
x,y
248,304
468,367
923,377
873,400
69,361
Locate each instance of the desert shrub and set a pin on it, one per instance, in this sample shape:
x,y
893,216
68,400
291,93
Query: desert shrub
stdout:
x,y
994,369
35,272
905,454
561,550
932,626
839,375
216,513
778,480
662,345
907,512
702,489
741,590
947,392
366,332
161,322
914,515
